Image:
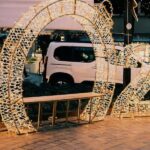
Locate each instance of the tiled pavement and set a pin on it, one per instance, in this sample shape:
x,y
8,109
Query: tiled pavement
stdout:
x,y
111,134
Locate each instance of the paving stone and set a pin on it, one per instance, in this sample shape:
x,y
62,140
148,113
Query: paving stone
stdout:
x,y
111,134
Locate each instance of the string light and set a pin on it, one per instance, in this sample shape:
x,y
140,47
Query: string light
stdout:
x,y
97,22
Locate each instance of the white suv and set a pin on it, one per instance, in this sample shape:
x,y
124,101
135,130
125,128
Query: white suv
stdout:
x,y
74,63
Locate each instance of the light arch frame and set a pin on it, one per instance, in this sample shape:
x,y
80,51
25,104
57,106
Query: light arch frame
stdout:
x,y
16,48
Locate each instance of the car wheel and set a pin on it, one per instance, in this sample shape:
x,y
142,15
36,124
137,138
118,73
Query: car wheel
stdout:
x,y
60,81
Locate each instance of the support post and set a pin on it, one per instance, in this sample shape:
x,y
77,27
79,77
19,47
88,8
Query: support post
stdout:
x,y
39,115
79,109
128,36
54,113
67,111
90,115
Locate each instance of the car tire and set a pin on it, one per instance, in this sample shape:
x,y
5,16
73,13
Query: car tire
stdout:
x,y
57,81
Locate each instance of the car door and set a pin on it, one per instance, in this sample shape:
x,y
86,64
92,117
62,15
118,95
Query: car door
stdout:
x,y
83,65
60,61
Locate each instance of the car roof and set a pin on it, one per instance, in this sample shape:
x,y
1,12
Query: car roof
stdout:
x,y
54,45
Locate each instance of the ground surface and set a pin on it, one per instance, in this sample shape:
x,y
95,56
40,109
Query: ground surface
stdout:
x,y
111,134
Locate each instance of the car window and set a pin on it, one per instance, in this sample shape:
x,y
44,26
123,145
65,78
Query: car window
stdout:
x,y
74,54
83,54
63,53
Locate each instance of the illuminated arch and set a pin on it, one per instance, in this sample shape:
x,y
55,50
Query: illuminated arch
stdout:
x,y
21,38
97,22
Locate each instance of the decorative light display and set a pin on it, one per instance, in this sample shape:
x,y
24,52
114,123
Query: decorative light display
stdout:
x,y
21,38
97,22
131,101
